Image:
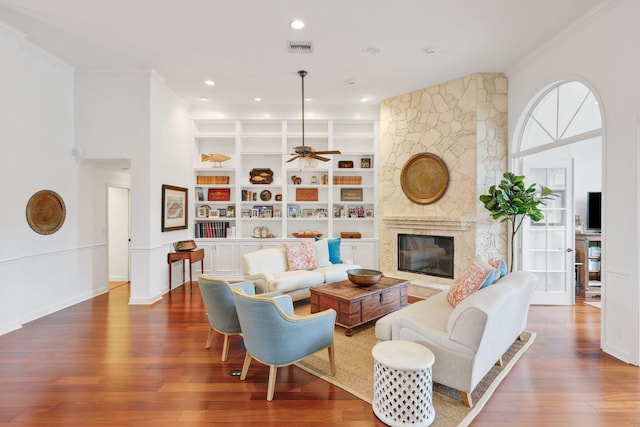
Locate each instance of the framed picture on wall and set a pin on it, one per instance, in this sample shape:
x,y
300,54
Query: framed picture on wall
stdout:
x,y
174,208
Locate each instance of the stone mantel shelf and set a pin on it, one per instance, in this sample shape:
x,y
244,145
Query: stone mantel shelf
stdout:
x,y
458,224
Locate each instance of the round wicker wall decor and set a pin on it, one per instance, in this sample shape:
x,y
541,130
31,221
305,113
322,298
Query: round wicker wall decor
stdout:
x,y
424,178
46,212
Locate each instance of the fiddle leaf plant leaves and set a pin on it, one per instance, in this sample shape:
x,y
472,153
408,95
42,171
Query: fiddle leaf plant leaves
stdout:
x,y
512,201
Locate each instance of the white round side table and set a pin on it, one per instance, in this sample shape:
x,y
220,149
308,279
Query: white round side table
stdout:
x,y
402,383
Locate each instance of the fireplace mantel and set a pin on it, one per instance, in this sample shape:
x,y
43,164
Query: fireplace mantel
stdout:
x,y
458,224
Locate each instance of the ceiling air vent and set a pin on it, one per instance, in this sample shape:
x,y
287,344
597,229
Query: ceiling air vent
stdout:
x,y
300,47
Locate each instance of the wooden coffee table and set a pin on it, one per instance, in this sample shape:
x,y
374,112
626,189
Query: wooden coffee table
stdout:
x,y
357,305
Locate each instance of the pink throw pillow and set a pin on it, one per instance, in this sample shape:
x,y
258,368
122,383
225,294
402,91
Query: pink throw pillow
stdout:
x,y
301,255
469,282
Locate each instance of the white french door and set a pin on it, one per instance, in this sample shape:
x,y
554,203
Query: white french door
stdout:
x,y
548,245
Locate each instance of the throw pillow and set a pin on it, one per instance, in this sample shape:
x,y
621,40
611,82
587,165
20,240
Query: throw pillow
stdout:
x,y
334,250
301,255
500,265
469,282
322,252
485,265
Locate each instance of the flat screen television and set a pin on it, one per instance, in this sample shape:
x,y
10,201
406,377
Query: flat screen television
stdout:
x,y
594,211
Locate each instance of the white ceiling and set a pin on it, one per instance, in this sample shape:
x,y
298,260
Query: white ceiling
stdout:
x,y
242,44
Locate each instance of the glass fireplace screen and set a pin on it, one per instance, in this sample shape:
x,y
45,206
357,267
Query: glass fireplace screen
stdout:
x,y
423,254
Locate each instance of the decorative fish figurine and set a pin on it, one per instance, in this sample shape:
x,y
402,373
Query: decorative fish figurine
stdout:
x,y
215,158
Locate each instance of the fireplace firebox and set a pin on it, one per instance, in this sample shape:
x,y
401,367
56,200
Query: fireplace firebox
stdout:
x,y
424,254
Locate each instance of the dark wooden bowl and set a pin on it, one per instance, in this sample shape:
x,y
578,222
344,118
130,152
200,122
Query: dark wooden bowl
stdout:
x,y
364,277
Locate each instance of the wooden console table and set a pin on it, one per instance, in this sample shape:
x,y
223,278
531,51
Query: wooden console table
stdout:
x,y
193,256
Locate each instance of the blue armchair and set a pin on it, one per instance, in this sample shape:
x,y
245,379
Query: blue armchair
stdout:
x,y
275,336
217,295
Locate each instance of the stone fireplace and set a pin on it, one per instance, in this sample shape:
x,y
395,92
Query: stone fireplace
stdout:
x,y
464,122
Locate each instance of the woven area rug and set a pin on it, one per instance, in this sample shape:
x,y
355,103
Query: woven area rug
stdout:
x,y
354,364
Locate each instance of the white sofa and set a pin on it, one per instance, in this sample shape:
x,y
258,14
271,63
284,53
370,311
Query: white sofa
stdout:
x,y
269,270
472,337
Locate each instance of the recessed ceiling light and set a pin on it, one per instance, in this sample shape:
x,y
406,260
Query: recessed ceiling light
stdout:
x,y
371,50
297,24
350,82
429,50
204,99
363,99
257,99
209,82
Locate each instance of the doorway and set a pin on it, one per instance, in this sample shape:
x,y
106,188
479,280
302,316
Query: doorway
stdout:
x,y
564,121
118,235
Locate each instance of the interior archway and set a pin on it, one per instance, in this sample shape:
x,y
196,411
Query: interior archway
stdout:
x,y
563,121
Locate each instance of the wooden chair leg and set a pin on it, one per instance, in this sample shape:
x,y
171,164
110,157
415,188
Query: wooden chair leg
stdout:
x,y
209,338
466,399
245,365
500,362
225,347
273,370
332,359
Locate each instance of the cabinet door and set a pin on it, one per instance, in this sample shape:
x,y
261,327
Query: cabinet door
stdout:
x,y
257,244
223,259
360,253
246,247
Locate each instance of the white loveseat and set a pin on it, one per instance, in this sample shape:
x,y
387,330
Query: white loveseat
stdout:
x,y
269,270
472,337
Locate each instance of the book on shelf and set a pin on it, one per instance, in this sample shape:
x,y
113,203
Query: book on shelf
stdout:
x,y
249,196
212,179
211,229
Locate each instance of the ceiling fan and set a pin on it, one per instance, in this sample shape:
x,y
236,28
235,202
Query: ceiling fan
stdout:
x,y
303,151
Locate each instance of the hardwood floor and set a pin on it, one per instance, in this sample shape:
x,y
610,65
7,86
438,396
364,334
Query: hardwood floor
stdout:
x,y
105,363
113,285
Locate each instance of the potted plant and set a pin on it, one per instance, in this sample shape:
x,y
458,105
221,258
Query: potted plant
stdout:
x,y
512,201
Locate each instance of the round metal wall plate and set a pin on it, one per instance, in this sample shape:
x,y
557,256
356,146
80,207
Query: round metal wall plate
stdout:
x,y
424,178
46,212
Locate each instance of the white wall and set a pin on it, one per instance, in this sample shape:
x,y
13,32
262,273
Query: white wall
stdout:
x,y
170,162
134,116
118,226
596,51
69,132
43,273
587,172
112,113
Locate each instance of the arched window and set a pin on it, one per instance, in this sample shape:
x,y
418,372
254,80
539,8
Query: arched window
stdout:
x,y
567,112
